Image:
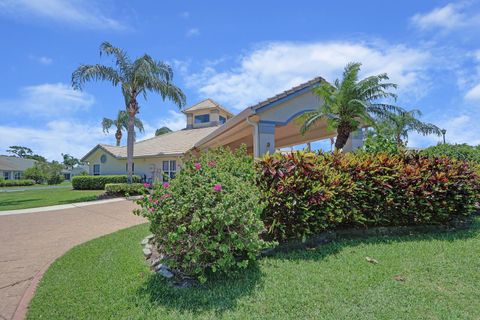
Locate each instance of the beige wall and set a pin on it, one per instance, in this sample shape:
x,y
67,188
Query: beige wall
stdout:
x,y
151,167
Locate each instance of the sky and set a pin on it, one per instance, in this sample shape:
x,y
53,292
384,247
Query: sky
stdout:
x,y
235,52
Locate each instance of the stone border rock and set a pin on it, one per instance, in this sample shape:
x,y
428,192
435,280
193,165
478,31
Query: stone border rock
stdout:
x,y
460,223
154,258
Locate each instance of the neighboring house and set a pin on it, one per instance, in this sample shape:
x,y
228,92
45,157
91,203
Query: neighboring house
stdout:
x,y
11,168
264,127
69,173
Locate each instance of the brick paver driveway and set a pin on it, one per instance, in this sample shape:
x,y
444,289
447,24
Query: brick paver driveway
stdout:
x,y
30,242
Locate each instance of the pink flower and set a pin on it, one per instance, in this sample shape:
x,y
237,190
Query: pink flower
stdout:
x,y
147,185
212,164
166,185
197,166
151,209
155,202
217,188
165,196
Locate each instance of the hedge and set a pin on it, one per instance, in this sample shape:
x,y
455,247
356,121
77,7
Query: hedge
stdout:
x,y
125,189
307,193
99,182
14,183
455,151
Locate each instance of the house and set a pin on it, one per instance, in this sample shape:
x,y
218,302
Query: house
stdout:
x,y
69,173
264,128
11,168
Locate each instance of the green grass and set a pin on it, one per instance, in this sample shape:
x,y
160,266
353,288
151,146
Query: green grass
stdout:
x,y
107,278
45,197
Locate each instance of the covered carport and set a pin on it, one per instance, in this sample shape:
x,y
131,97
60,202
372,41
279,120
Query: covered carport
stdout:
x,y
269,126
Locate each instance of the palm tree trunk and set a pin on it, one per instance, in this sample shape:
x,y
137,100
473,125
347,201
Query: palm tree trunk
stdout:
x,y
118,136
132,111
343,132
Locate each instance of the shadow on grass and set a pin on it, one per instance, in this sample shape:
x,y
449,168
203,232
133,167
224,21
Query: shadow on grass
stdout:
x,y
219,294
319,252
15,202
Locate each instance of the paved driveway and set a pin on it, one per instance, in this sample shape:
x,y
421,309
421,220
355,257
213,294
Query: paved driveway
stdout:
x,y
30,242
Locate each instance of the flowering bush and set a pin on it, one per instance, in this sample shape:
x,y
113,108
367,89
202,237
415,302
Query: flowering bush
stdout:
x,y
208,217
307,193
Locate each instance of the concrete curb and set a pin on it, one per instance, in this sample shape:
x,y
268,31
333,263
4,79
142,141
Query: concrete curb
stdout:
x,y
59,207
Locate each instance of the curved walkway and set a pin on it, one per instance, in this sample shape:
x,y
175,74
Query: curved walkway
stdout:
x,y
30,242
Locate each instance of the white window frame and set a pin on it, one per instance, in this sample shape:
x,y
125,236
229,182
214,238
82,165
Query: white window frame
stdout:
x,y
6,175
17,175
94,172
171,171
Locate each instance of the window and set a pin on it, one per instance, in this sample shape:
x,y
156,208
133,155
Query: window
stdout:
x,y
202,118
96,169
17,175
169,169
133,167
103,158
222,119
6,175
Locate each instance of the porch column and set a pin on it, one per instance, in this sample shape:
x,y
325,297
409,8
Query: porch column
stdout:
x,y
355,141
265,139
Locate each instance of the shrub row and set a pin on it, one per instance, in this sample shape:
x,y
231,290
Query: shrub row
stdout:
x,y
208,217
99,182
454,151
125,189
307,193
14,183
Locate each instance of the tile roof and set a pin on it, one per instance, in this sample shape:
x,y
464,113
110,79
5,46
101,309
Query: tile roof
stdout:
x,y
173,143
8,163
207,104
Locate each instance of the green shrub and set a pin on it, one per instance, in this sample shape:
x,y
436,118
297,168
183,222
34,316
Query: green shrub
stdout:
x,y
208,217
125,189
55,178
99,182
455,151
34,173
15,183
307,193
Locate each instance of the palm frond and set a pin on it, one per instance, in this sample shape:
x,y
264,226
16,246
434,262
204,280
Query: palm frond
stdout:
x,y
107,124
96,72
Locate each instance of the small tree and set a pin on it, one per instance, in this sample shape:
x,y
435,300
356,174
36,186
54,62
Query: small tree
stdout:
x,y
350,102
70,161
162,130
120,123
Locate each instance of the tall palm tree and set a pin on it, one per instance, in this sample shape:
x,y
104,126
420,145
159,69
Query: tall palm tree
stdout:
x,y
350,103
400,124
138,77
121,122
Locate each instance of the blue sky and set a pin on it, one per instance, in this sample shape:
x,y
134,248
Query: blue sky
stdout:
x,y
236,52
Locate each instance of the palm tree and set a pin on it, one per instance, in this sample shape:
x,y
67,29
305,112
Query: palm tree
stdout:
x,y
399,125
350,103
120,123
138,77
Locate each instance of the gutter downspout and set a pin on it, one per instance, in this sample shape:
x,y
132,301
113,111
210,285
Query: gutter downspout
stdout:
x,y
256,151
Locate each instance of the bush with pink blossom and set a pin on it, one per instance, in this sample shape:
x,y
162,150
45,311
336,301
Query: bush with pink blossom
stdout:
x,y
207,219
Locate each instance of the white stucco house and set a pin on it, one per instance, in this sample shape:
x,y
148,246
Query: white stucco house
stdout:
x,y
264,127
11,168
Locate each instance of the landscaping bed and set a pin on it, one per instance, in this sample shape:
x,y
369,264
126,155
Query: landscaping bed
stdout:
x,y
418,276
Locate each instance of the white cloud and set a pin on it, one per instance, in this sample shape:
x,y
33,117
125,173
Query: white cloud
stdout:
x,y
462,128
473,93
80,13
275,67
192,32
48,100
72,137
41,59
449,17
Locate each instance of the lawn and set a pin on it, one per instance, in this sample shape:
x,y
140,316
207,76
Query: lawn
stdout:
x,y
44,197
64,184
420,276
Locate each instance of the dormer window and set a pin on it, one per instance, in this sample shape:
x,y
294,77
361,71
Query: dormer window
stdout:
x,y
202,118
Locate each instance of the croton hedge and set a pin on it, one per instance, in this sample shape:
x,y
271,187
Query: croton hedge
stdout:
x,y
307,193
